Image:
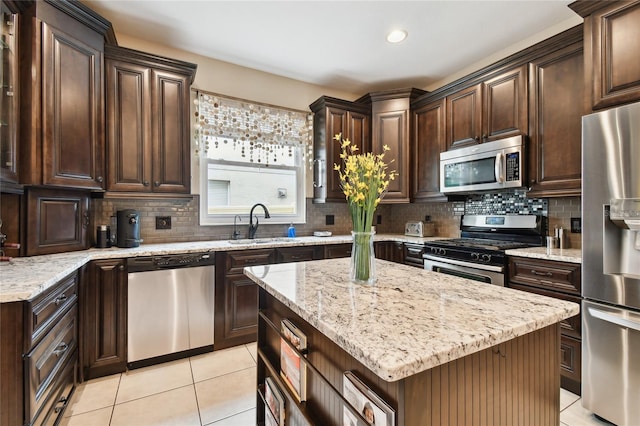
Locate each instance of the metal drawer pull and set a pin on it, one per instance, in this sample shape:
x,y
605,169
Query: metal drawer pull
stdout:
x,y
64,401
62,348
541,274
60,299
414,251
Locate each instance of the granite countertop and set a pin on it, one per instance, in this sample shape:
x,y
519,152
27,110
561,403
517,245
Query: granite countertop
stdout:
x,y
26,277
412,319
560,255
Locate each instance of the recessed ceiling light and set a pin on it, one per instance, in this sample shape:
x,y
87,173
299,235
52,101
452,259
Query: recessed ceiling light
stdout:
x,y
396,36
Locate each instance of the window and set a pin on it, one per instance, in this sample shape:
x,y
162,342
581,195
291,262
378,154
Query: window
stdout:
x,y
250,153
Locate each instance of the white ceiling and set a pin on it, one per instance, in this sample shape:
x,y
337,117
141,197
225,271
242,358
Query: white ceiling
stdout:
x,y
339,44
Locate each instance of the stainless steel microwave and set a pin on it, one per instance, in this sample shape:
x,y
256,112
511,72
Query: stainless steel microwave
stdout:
x,y
484,167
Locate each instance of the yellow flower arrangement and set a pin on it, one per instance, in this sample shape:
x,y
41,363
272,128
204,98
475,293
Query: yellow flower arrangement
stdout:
x,y
364,180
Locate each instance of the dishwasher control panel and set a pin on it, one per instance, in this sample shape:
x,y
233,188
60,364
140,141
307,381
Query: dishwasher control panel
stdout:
x,y
172,261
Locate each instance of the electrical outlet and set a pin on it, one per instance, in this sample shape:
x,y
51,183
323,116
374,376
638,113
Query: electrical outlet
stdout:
x,y
163,222
576,225
329,219
379,220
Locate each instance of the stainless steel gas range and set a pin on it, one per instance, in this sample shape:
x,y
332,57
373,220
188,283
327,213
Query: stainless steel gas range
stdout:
x,y
479,253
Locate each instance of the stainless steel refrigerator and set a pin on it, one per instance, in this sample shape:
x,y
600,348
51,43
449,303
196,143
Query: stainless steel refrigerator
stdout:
x,y
611,264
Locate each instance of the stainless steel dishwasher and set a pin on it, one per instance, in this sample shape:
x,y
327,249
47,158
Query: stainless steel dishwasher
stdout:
x,y
170,307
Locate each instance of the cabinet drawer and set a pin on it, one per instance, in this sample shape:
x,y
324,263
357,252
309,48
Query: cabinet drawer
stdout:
x,y
298,254
44,310
44,363
570,358
551,275
334,251
237,260
413,254
53,408
570,326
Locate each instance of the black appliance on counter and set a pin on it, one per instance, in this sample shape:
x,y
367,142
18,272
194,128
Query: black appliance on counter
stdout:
x,y
128,232
479,253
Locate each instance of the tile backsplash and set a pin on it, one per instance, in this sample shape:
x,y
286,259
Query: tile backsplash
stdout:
x,y
445,216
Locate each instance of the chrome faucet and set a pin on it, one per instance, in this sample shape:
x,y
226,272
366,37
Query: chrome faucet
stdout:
x,y
253,228
236,233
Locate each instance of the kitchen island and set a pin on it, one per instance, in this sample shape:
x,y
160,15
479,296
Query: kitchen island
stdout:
x,y
437,349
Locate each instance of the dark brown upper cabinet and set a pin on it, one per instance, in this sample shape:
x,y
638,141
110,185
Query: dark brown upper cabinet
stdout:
x,y
428,143
556,108
611,40
61,91
390,126
493,109
331,117
148,104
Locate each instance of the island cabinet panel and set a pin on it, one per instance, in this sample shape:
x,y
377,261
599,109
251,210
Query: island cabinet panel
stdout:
x,y
104,318
392,251
555,122
516,382
560,280
428,143
612,36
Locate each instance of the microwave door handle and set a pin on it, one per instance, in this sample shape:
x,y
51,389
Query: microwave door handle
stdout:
x,y
498,168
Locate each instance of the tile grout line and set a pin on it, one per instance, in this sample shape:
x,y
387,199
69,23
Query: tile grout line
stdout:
x,y
115,398
193,385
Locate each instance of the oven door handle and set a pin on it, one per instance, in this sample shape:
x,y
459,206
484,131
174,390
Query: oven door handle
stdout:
x,y
480,266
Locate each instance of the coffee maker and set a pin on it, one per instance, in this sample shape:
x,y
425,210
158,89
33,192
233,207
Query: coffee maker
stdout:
x,y
128,232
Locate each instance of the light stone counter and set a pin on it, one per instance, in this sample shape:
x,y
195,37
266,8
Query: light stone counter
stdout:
x,y
27,277
412,319
560,255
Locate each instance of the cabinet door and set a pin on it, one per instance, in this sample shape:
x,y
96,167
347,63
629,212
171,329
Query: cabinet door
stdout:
x,y
72,123
614,39
299,254
171,149
104,318
241,308
428,143
504,109
555,111
129,126
336,122
391,128
464,117
57,221
9,96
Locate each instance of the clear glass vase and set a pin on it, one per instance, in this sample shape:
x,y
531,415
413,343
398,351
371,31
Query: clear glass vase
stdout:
x,y
363,267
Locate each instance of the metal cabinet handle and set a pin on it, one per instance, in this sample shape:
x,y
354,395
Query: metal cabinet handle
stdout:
x,y
99,179
64,400
60,299
62,348
145,183
477,139
156,183
121,268
541,274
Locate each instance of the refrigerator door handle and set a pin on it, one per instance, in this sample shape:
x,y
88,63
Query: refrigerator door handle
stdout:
x,y
614,318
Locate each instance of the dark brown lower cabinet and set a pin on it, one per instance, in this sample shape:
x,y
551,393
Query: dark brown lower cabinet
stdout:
x,y
389,250
562,281
103,295
39,355
57,220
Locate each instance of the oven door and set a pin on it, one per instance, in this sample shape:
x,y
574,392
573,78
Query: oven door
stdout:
x,y
484,273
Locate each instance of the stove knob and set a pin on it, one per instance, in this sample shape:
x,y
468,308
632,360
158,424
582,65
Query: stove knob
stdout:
x,y
433,250
442,252
486,258
475,256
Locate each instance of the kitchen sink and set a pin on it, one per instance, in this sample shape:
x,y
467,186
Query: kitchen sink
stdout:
x,y
245,241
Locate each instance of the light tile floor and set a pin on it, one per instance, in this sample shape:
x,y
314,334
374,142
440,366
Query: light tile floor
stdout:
x,y
215,389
